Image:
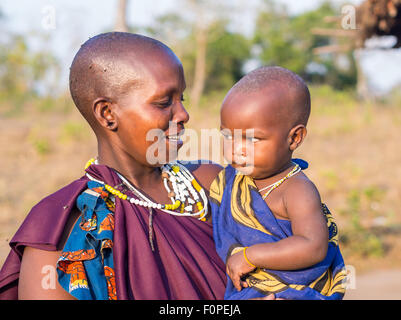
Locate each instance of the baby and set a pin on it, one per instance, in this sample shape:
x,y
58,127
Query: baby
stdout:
x,y
269,224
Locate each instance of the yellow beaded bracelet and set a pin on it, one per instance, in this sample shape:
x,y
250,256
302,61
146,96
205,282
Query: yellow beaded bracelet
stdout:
x,y
246,258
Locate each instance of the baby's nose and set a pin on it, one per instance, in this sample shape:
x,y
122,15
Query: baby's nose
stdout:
x,y
239,152
241,146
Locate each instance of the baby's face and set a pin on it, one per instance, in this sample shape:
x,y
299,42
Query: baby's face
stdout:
x,y
152,116
264,152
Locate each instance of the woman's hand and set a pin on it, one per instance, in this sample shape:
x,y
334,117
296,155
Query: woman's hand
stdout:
x,y
237,267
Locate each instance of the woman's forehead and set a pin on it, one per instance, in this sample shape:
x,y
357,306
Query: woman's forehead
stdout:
x,y
164,79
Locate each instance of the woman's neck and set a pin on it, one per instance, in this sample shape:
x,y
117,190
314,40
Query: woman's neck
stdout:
x,y
140,175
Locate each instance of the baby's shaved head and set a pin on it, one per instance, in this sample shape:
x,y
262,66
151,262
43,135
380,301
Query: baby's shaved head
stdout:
x,y
280,78
108,65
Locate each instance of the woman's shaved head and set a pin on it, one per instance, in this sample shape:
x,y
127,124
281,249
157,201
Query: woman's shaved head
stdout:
x,y
108,65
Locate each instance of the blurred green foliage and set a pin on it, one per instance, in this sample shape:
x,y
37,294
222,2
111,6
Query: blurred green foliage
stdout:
x,y
226,50
226,54
23,71
73,131
277,39
39,141
287,41
363,203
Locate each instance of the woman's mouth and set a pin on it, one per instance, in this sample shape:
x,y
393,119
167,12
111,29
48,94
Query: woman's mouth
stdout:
x,y
175,138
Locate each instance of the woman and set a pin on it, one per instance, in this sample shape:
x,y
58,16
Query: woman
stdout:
x,y
114,233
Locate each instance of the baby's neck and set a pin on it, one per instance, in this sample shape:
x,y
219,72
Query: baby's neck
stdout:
x,y
274,177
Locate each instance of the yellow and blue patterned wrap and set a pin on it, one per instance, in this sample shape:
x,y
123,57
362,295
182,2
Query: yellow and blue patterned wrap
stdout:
x,y
241,218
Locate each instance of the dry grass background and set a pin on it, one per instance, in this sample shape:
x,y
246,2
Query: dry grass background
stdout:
x,y
353,149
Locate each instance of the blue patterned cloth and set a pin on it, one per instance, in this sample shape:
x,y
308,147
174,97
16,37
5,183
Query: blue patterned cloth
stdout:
x,y
85,268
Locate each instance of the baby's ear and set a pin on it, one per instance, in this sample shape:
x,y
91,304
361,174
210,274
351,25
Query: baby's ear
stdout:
x,y
296,136
103,111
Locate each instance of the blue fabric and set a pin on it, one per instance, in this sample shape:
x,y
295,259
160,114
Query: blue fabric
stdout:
x,y
230,230
85,268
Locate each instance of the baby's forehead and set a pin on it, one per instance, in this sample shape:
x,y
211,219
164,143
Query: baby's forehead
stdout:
x,y
259,100
258,109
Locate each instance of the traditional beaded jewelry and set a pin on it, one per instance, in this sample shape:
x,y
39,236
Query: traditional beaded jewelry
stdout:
x,y
273,186
185,194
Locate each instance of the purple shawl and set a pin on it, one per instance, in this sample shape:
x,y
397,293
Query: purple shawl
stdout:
x,y
183,266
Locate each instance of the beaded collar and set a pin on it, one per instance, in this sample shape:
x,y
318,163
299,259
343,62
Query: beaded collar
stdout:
x,y
184,191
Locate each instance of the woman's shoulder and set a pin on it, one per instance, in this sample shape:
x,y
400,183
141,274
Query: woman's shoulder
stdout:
x,y
204,171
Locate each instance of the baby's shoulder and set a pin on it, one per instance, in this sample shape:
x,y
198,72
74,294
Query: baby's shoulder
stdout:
x,y
301,190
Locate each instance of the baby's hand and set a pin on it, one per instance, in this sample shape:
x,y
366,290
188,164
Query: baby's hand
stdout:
x,y
237,267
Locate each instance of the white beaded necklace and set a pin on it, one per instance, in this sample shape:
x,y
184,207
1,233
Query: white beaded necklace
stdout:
x,y
185,194
274,185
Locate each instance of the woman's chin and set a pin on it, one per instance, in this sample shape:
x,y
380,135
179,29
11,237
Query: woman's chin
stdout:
x,y
173,146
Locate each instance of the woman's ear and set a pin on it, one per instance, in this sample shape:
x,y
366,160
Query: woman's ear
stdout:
x,y
103,111
296,136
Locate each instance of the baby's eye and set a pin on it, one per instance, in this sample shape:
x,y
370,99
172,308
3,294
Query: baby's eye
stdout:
x,y
226,135
182,98
253,140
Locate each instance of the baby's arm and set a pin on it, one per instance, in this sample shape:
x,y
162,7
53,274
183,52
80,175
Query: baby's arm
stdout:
x,y
306,247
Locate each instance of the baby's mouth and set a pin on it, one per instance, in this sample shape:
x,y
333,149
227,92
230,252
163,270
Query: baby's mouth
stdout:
x,y
244,169
242,163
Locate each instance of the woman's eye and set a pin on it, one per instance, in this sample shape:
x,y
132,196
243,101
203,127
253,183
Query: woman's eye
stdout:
x,y
182,98
165,103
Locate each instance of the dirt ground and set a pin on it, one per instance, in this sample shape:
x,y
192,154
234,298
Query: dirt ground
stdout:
x,y
377,285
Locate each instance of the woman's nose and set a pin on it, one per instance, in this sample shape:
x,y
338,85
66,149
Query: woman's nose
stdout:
x,y
180,114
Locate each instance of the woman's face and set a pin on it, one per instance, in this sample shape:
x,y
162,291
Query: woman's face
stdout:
x,y
151,117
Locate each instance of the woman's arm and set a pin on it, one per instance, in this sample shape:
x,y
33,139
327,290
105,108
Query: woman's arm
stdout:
x,y
38,276
204,173
38,273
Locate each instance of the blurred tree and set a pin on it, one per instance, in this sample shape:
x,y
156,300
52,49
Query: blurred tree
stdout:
x,y
206,15
23,72
227,53
288,41
213,56
121,17
379,18
370,19
221,65
276,40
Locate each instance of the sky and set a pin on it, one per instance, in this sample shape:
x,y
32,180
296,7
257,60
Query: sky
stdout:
x,y
68,23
